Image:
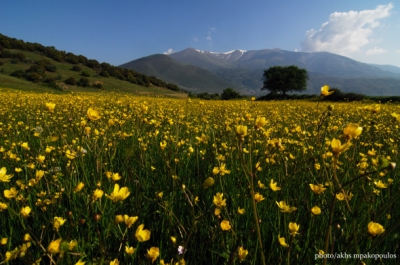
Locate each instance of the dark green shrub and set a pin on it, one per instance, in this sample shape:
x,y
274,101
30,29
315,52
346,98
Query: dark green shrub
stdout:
x,y
70,81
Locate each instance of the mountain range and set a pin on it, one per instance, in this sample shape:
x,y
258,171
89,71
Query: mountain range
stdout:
x,y
206,71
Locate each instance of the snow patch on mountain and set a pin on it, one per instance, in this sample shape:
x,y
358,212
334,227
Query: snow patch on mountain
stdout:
x,y
231,55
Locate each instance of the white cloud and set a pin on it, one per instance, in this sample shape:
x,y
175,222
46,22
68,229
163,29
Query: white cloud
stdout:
x,y
169,51
346,32
208,38
195,39
397,51
375,51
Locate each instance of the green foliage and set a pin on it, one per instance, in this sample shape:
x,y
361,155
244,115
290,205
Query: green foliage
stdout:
x,y
84,81
76,68
85,74
70,81
284,79
229,93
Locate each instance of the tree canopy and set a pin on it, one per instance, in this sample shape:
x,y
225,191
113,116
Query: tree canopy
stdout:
x,y
283,79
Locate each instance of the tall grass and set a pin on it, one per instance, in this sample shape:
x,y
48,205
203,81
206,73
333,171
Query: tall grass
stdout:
x,y
174,156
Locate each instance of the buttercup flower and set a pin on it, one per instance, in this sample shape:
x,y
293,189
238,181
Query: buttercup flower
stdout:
x,y
208,182
118,194
317,189
242,253
274,185
293,228
218,201
25,211
153,253
3,206
3,176
93,114
141,234
375,229
130,220
58,222
50,106
241,131
54,246
97,194
380,184
11,193
352,130
338,148
316,210
221,170
225,225
258,197
325,91
129,250
282,241
285,208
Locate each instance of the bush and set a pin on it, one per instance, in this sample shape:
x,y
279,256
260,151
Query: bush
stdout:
x,y
229,93
83,82
51,68
85,74
76,68
70,81
18,73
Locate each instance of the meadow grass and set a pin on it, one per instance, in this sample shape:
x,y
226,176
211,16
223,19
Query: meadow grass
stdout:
x,y
217,182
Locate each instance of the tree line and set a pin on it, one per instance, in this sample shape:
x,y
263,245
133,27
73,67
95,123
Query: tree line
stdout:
x,y
103,69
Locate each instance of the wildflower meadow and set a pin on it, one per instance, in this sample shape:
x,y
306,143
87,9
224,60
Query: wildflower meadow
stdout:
x,y
109,178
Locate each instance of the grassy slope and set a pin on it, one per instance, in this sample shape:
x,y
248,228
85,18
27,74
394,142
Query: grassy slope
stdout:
x,y
64,70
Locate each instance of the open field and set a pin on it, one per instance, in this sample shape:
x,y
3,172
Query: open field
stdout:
x,y
107,177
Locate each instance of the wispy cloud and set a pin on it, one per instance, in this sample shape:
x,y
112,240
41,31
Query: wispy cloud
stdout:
x,y
375,51
346,32
210,32
169,51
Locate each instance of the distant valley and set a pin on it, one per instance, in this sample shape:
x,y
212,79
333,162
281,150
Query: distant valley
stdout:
x,y
204,71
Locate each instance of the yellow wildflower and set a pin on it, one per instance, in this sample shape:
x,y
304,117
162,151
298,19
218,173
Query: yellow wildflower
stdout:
x,y
3,176
241,131
282,241
380,184
375,229
317,189
153,253
141,234
241,210
338,148
58,222
129,250
352,130
258,197
11,193
3,206
225,225
114,262
293,228
242,253
208,182
325,91
274,185
218,201
54,246
97,194
93,114
79,187
316,210
285,208
25,211
260,122
118,194
130,220
50,106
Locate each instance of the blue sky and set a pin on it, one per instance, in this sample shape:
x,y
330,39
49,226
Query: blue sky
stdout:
x,y
120,31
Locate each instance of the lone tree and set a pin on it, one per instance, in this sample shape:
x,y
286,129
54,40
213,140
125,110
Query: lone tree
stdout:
x,y
283,79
